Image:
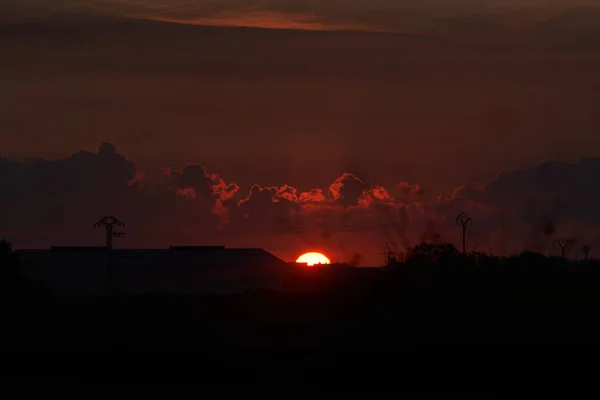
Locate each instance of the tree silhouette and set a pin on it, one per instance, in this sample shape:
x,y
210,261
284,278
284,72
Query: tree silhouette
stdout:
x,y
564,244
5,249
464,220
5,254
7,272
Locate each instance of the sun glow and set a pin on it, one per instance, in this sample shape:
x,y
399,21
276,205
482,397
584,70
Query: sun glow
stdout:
x,y
311,259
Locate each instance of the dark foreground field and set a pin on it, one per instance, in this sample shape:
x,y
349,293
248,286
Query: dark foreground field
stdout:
x,y
439,329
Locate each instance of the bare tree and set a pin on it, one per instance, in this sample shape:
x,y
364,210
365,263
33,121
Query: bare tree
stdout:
x,y
464,220
564,244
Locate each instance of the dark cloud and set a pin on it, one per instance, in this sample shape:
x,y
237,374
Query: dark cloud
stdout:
x,y
348,190
270,209
396,100
535,204
408,190
50,191
369,104
553,189
194,179
50,201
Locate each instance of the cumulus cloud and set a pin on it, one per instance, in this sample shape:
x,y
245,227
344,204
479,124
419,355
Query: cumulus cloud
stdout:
x,y
195,181
407,190
348,190
527,207
315,196
52,199
46,191
193,178
265,209
377,195
58,200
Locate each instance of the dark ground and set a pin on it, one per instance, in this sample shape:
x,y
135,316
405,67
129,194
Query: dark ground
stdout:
x,y
431,330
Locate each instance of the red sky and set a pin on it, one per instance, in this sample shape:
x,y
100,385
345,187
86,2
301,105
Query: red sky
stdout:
x,y
422,92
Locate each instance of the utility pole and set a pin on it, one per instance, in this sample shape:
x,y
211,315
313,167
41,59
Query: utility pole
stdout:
x,y
564,245
464,220
586,253
109,223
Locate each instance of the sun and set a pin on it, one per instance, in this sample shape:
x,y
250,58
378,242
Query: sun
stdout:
x,y
312,258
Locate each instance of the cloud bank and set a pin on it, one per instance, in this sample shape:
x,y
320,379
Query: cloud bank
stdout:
x,y
49,202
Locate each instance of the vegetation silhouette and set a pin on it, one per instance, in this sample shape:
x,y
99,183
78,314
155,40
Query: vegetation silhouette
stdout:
x,y
11,286
329,321
5,250
527,279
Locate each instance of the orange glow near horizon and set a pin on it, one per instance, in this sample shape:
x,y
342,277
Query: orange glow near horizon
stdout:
x,y
261,19
313,258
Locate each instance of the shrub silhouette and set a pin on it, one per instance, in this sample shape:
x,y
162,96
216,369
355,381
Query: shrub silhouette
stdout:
x,y
433,254
8,274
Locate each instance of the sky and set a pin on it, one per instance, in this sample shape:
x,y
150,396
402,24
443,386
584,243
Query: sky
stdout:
x,y
415,107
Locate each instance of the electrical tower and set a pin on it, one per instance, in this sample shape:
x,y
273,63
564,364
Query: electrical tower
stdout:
x,y
464,220
109,223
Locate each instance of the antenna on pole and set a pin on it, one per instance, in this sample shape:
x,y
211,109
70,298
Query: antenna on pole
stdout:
x,y
464,220
109,223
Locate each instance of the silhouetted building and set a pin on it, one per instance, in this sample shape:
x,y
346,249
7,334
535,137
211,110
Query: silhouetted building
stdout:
x,y
179,269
